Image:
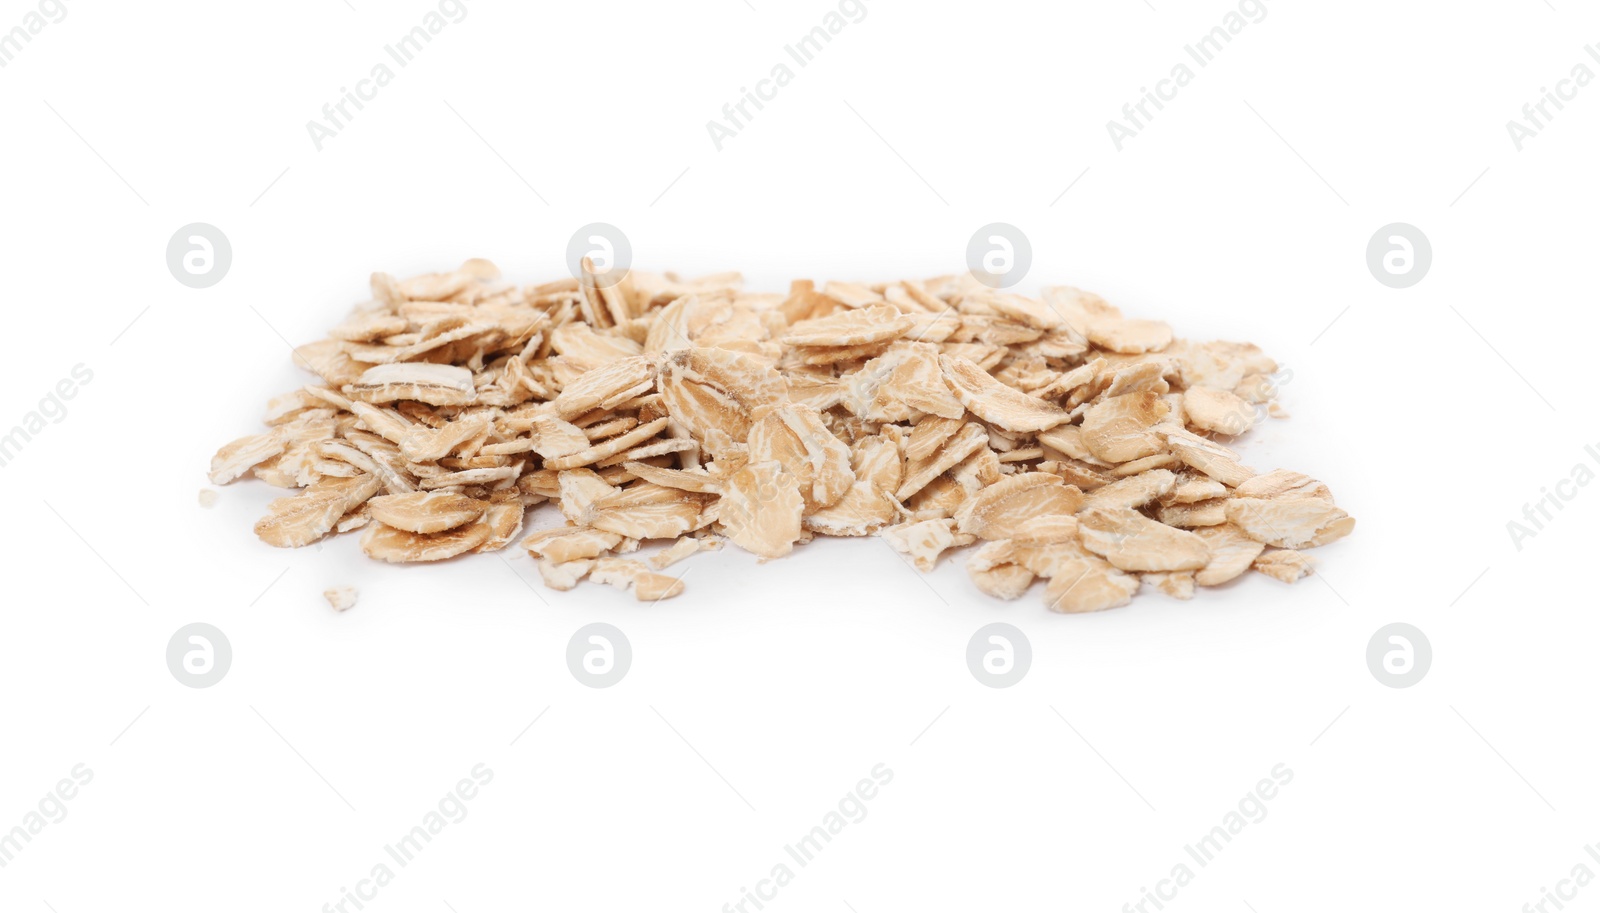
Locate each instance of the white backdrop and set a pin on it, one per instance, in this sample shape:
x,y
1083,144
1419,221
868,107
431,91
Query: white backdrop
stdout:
x,y
756,702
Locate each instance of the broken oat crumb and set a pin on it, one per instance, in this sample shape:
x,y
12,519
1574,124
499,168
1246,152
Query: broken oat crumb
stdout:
x,y
340,597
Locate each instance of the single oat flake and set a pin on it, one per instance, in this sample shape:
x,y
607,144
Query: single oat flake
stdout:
x,y
1052,438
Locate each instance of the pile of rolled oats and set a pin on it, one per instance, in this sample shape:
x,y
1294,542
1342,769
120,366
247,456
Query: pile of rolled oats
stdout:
x,y
1077,445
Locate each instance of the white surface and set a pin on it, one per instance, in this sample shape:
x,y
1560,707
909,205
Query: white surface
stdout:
x,y
794,679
